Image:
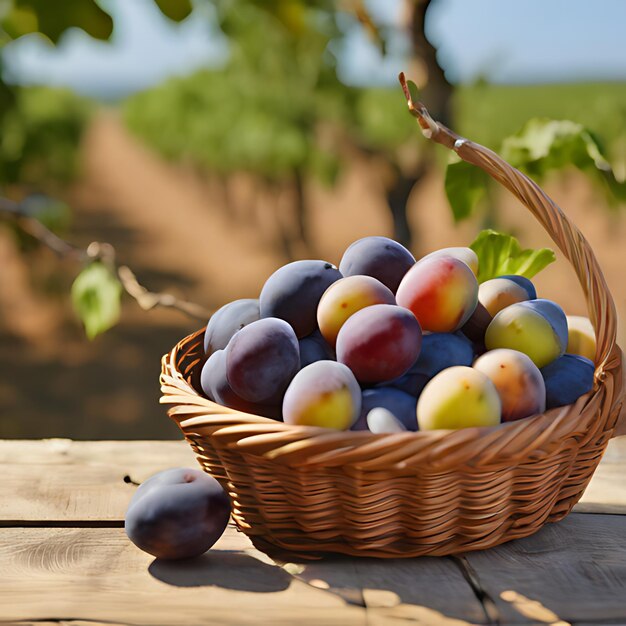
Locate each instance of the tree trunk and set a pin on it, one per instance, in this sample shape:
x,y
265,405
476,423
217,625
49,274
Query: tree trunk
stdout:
x,y
397,197
436,91
300,207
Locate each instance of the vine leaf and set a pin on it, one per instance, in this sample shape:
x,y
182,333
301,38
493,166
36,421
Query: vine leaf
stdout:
x,y
500,254
544,145
96,297
465,186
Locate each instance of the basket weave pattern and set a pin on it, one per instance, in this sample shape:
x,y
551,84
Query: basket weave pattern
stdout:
x,y
309,490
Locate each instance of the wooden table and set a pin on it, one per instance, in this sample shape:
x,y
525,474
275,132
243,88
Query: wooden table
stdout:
x,y
64,558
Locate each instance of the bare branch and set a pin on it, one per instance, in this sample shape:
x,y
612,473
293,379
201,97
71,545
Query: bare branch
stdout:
x,y
33,227
104,252
149,300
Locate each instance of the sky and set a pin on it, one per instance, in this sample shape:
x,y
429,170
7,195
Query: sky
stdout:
x,y
507,42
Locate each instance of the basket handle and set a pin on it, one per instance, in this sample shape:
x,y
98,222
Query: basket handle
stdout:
x,y
564,233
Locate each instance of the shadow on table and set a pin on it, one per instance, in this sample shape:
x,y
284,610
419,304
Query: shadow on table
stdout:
x,y
221,568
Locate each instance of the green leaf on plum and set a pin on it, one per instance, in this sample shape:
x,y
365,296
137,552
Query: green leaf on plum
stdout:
x,y
465,186
96,296
500,254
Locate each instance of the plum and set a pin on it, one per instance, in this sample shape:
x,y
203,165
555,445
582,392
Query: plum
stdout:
x,y
441,291
177,514
379,342
227,320
498,293
538,328
518,381
399,403
325,394
293,292
566,379
261,360
216,387
458,397
581,337
467,255
345,297
314,348
379,257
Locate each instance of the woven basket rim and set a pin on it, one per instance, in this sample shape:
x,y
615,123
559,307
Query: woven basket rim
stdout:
x,y
545,427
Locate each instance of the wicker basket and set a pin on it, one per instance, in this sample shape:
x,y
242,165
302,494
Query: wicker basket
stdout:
x,y
307,490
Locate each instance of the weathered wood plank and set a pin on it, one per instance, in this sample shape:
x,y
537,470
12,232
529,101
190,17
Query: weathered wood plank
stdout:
x,y
121,453
97,574
573,571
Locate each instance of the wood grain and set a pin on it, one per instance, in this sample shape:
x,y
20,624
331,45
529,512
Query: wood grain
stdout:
x,y
97,574
104,453
573,571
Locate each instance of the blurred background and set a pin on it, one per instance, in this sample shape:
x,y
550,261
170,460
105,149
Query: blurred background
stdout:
x,y
211,142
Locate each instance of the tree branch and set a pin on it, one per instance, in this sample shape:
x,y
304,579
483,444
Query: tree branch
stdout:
x,y
99,251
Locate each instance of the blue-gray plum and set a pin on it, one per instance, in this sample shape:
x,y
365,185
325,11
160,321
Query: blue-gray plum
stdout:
x,y
438,351
227,320
261,360
566,379
293,292
379,257
326,394
412,382
399,403
314,348
443,350
177,514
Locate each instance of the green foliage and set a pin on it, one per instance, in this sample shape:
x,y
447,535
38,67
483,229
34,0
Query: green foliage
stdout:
x,y
264,110
544,145
379,121
39,136
465,186
176,10
500,254
539,148
96,296
52,19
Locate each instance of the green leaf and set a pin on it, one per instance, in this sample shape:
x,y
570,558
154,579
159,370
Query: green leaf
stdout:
x,y
414,91
500,254
543,145
176,10
96,295
52,19
465,186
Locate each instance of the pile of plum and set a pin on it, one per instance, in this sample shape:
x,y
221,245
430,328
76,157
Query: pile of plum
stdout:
x,y
389,344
